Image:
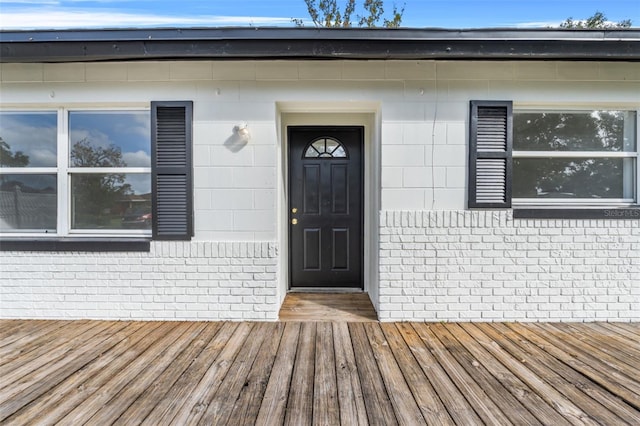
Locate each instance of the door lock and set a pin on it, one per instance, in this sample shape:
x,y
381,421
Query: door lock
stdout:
x,y
294,210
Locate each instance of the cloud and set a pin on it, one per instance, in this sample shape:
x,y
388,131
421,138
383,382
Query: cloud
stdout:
x,y
33,134
95,137
44,18
137,159
140,183
541,24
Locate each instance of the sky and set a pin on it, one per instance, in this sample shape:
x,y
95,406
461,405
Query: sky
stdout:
x,y
59,14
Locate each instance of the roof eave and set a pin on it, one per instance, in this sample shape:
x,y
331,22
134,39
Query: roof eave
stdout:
x,y
296,43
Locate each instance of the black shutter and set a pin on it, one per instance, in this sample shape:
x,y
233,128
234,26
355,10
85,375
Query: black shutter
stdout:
x,y
490,147
171,170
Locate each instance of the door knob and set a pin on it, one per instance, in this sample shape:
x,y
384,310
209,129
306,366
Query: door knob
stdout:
x,y
294,221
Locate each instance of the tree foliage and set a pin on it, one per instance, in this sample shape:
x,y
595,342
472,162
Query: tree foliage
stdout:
x,y
11,159
597,21
95,194
329,14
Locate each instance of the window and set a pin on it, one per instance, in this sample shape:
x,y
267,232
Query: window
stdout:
x,y
552,158
95,165
574,157
325,148
84,173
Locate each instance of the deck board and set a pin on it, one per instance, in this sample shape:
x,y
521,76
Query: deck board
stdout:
x,y
456,404
351,399
473,391
55,367
13,330
377,399
247,405
529,400
618,352
607,374
23,336
432,409
64,397
400,395
274,402
356,373
148,377
512,408
172,402
541,362
325,396
122,378
198,401
150,397
300,398
228,392
554,374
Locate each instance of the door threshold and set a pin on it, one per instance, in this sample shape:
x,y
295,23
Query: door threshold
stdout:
x,y
325,290
327,307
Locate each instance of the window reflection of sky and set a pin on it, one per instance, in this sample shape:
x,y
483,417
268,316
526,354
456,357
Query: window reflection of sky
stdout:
x,y
140,183
32,133
128,130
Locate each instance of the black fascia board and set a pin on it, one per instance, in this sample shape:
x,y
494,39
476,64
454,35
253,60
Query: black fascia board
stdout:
x,y
308,43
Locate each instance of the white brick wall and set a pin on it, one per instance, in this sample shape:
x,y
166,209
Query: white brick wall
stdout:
x,y
174,281
487,266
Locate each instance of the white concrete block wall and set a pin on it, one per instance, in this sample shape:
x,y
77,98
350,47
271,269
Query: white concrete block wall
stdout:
x,y
174,281
487,266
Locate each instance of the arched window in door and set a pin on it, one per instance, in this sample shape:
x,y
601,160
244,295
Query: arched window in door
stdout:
x,y
325,147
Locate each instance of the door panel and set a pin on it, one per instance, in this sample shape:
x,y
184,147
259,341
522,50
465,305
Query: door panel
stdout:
x,y
339,189
311,250
311,188
325,206
340,249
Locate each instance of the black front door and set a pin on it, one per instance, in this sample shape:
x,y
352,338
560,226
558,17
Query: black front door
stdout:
x,y
325,206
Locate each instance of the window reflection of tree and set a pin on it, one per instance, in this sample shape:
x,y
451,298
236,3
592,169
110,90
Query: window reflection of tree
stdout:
x,y
601,177
94,195
11,159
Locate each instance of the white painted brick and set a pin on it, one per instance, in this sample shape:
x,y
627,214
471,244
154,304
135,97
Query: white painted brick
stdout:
x,y
150,288
488,267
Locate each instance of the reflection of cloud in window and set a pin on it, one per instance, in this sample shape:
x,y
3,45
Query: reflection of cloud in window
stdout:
x,y
141,125
140,183
42,156
34,135
130,131
137,159
96,138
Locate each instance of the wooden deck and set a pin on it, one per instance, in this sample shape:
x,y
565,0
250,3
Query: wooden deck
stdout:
x,y
296,373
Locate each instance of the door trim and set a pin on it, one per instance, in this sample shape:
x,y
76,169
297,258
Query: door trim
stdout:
x,y
365,113
361,146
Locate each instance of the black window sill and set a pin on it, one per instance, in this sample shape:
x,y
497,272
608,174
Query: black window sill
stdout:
x,y
70,244
585,213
